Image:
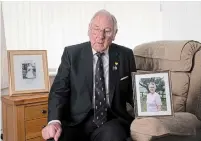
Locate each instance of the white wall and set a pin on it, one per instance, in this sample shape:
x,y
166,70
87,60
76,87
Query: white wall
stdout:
x,y
181,20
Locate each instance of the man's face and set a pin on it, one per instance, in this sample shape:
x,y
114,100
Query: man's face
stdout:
x,y
101,32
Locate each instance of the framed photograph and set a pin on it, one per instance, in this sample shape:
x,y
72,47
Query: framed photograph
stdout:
x,y
28,71
152,94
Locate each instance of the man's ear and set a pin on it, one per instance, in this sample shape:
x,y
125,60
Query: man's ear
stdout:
x,y
113,38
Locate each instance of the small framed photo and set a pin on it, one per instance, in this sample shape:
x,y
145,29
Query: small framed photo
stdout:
x,y
152,94
28,71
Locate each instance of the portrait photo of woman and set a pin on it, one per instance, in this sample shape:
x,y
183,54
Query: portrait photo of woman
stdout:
x,y
29,70
153,99
152,94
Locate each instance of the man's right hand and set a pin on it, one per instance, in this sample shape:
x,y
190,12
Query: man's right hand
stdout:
x,y
52,130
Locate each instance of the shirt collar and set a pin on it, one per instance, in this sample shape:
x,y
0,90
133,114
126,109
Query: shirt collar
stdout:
x,y
106,51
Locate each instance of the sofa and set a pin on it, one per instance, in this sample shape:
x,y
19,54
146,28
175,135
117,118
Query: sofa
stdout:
x,y
183,60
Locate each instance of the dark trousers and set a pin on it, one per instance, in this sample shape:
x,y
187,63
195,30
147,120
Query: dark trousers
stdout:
x,y
114,129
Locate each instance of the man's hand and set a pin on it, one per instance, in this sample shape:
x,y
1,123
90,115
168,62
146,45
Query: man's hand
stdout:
x,y
52,130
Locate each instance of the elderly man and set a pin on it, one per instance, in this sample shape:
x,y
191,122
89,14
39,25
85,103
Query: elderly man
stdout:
x,y
88,98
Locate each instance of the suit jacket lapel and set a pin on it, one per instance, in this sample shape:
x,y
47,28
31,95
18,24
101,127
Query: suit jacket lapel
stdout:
x,y
87,64
113,70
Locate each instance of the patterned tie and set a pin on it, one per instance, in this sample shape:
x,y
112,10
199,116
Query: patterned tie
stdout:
x,y
100,109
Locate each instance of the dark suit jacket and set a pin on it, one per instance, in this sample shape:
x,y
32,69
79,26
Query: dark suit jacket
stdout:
x,y
70,97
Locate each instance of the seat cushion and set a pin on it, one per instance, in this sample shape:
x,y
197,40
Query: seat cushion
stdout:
x,y
181,124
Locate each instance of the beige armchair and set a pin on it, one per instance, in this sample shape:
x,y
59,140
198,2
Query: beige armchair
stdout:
x,y
183,59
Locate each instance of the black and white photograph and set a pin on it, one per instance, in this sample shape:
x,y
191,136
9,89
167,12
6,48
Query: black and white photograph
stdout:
x,y
29,70
153,94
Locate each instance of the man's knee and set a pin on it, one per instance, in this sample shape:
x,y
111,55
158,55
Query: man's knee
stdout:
x,y
110,134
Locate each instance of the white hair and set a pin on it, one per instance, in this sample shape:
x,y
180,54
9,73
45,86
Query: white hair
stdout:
x,y
115,28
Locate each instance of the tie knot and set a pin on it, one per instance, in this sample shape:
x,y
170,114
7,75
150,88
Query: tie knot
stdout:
x,y
100,54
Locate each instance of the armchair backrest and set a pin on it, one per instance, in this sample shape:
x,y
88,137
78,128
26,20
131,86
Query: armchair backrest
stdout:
x,y
183,60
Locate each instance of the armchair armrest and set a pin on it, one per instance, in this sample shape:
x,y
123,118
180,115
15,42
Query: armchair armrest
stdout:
x,y
181,124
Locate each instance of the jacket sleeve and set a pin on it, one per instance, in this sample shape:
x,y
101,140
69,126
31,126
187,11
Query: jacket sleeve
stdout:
x,y
60,90
132,68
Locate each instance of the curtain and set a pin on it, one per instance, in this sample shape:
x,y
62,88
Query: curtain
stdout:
x,y
54,25
4,66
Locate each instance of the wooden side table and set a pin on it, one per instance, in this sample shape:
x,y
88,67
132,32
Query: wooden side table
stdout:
x,y
24,117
